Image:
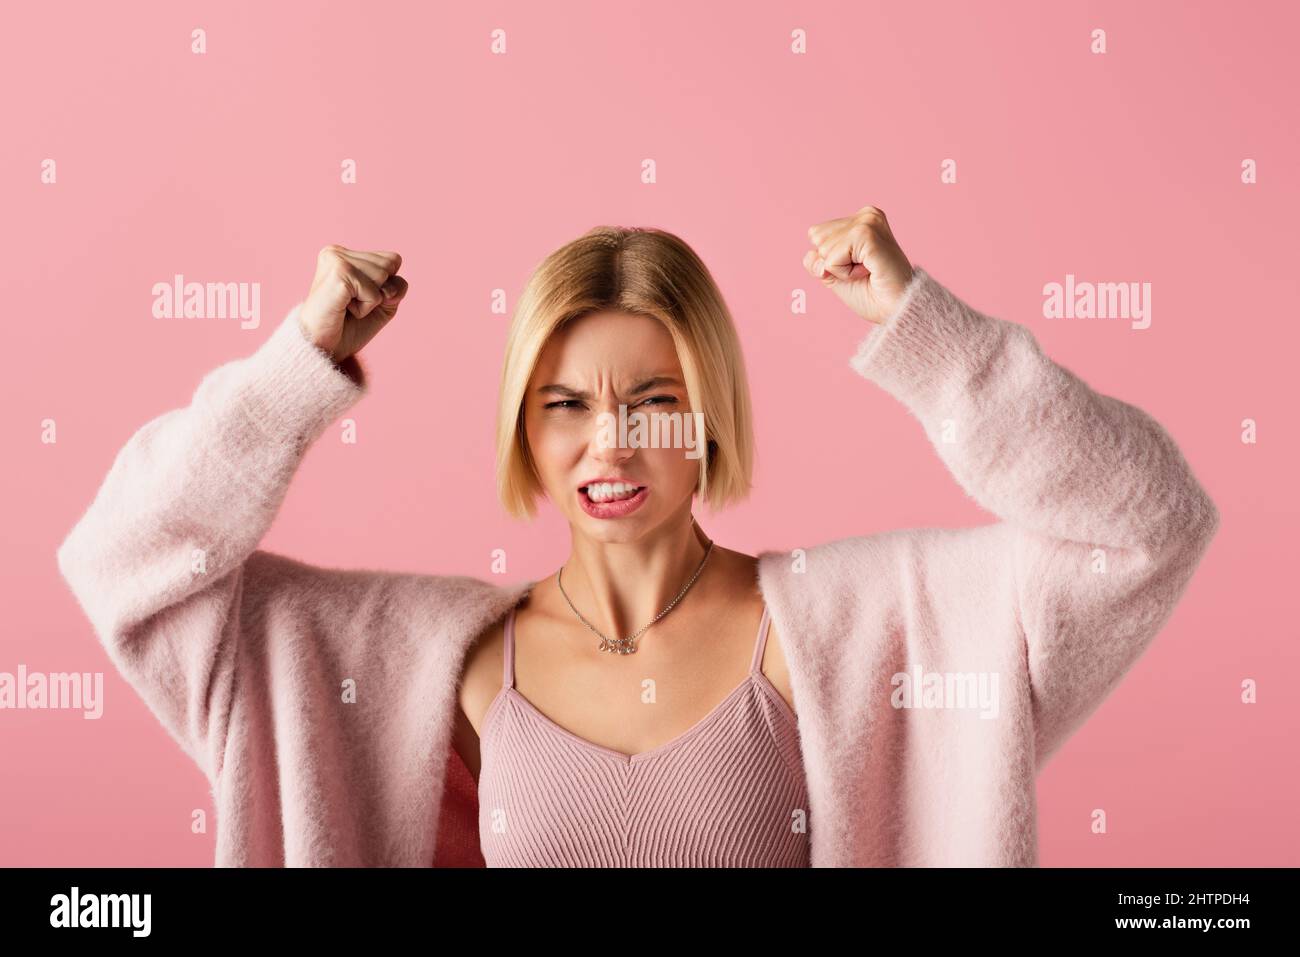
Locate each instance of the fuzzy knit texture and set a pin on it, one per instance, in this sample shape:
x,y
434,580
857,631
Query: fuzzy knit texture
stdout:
x,y
1100,526
727,792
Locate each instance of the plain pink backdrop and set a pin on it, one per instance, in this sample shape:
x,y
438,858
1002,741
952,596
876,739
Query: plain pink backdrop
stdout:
x,y
226,167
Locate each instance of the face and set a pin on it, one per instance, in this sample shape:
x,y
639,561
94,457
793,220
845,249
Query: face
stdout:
x,y
590,367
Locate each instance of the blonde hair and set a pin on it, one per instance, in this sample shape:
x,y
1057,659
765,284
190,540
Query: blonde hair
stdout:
x,y
647,272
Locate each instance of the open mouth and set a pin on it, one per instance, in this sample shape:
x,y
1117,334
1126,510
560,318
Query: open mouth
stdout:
x,y
600,494
603,501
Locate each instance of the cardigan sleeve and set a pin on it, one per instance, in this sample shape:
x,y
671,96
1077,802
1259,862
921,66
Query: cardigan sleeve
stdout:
x,y
160,559
1103,522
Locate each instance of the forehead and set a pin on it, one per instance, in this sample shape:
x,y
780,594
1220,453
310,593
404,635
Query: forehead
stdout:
x,y
618,342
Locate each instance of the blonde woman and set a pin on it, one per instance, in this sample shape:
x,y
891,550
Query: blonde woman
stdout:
x,y
658,699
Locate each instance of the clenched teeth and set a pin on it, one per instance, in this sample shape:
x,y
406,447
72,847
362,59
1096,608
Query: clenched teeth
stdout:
x,y
611,491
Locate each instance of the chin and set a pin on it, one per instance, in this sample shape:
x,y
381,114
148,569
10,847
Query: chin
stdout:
x,y
624,530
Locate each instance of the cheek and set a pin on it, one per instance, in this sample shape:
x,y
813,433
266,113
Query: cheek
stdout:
x,y
554,448
671,467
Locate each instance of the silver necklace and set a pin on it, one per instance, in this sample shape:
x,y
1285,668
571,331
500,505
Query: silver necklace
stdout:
x,y
627,646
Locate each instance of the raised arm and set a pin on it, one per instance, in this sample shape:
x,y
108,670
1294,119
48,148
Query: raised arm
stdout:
x,y
158,561
1103,520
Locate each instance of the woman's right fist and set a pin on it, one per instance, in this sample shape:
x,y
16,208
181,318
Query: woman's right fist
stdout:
x,y
352,297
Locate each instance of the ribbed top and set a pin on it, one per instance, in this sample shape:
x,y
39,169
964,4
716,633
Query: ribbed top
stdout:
x,y
728,792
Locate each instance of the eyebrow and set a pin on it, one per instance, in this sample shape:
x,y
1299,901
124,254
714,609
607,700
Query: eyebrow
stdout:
x,y
645,385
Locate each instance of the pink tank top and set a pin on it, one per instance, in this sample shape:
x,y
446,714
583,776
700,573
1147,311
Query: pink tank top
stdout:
x,y
728,792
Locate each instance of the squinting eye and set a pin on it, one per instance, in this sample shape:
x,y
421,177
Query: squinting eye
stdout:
x,y
566,403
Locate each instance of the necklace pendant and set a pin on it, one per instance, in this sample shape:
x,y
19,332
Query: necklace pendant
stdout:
x,y
620,646
625,646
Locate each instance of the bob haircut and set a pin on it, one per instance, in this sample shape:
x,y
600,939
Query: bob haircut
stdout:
x,y
647,272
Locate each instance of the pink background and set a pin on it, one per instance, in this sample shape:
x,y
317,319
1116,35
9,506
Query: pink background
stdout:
x,y
226,167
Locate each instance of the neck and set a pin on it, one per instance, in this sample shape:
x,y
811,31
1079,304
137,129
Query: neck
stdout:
x,y
621,586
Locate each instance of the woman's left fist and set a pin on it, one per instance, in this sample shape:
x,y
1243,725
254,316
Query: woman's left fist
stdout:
x,y
858,257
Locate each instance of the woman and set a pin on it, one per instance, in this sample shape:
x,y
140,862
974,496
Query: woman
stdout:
x,y
884,699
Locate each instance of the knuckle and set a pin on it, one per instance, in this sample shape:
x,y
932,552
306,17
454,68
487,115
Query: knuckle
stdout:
x,y
330,255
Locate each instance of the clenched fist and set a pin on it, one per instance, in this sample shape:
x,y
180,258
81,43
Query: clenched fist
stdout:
x,y
858,257
352,297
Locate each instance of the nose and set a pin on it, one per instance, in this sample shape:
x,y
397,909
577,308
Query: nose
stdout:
x,y
606,443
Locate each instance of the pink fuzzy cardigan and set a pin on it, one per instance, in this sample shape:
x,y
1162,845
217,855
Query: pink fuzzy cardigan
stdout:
x,y
242,653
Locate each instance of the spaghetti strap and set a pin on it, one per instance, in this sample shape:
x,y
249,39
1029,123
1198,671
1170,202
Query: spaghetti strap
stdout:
x,y
755,666
717,792
508,663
